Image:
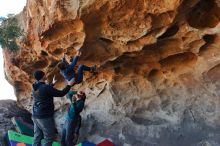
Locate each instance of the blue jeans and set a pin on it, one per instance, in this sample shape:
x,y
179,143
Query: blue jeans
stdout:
x,y
44,128
81,68
68,132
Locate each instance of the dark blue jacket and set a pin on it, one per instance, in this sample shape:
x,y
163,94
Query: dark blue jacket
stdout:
x,y
69,72
43,106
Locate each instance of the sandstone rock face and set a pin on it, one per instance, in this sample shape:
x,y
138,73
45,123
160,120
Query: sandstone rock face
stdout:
x,y
158,66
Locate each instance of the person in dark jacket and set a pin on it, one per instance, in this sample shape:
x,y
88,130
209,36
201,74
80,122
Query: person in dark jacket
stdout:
x,y
43,109
73,119
68,72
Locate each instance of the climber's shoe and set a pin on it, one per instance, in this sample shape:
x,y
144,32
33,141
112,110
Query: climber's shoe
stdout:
x,y
93,69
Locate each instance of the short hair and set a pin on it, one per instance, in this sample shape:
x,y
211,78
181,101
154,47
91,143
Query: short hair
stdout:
x,y
82,95
61,65
38,75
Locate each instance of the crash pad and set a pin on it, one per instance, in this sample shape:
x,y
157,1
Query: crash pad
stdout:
x,y
18,139
106,142
23,126
86,143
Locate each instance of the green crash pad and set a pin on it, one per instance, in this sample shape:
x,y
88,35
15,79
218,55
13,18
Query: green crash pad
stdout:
x,y
22,126
17,139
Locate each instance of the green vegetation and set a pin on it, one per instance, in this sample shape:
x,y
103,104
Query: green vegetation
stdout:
x,y
9,32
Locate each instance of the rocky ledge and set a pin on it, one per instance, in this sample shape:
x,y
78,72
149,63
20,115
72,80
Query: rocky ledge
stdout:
x,y
9,109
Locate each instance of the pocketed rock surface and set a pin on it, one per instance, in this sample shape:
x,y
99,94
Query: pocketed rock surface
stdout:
x,y
158,76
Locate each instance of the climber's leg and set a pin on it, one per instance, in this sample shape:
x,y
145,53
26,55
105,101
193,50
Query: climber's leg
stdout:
x,y
70,132
78,125
82,68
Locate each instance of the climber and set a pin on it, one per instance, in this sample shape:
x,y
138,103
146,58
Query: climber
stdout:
x,y
79,119
72,123
68,72
43,108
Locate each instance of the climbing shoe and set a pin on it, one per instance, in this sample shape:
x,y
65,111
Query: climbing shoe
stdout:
x,y
93,68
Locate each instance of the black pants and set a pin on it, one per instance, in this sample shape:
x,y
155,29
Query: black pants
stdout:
x,y
70,127
78,125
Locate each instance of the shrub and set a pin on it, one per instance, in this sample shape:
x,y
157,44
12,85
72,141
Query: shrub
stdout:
x,y
9,32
